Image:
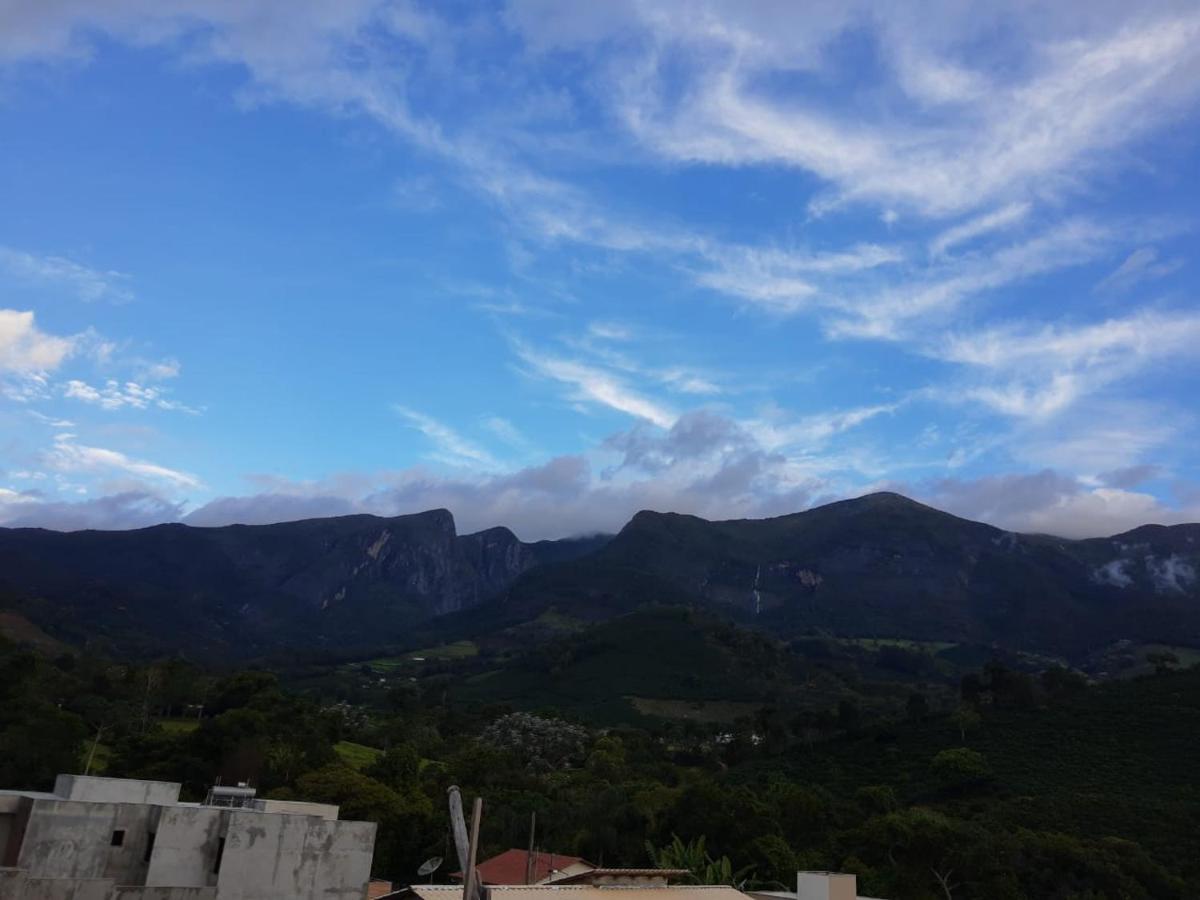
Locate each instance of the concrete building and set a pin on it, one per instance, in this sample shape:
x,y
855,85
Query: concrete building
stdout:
x,y
817,886
122,839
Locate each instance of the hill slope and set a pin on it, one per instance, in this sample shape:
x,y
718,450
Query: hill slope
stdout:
x,y
876,566
883,565
248,590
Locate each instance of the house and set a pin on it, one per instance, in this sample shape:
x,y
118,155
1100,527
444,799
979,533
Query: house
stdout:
x,y
124,839
559,891
644,878
520,867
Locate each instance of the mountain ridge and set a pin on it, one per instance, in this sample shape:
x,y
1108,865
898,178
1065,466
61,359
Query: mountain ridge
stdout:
x,y
881,564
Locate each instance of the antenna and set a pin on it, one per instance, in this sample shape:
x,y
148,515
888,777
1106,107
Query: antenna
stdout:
x,y
430,866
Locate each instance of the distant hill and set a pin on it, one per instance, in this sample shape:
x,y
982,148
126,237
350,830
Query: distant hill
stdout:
x,y
884,565
242,591
877,566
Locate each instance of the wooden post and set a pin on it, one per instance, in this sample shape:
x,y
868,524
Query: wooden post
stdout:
x,y
529,855
470,889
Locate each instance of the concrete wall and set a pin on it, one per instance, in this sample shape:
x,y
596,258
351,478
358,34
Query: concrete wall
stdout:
x,y
284,857
297,808
116,790
16,885
165,893
826,886
185,847
7,823
69,839
12,884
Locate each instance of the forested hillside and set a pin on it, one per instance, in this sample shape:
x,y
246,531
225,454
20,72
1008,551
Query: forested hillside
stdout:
x,y
1030,785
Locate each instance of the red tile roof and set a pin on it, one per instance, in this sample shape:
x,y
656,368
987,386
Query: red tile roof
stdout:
x,y
510,866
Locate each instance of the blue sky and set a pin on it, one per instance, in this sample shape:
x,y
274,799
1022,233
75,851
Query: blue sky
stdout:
x,y
547,264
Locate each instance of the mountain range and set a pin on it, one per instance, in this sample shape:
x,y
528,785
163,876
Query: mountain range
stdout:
x,y
876,566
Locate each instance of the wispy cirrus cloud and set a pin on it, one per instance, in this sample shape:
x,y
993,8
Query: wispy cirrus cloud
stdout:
x,y
1143,264
85,282
593,385
892,312
449,446
67,455
997,220
1039,371
1028,130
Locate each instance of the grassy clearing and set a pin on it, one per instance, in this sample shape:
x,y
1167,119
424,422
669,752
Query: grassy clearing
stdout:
x,y
357,756
179,726
458,650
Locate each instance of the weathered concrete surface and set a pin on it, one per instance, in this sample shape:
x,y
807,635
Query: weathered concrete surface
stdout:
x,y
282,857
116,790
72,849
67,889
325,811
72,839
164,893
185,847
12,884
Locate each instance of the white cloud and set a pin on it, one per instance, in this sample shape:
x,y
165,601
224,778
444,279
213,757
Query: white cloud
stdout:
x,y
593,385
509,433
1039,372
86,283
780,281
1005,217
1050,502
162,370
69,456
1142,264
25,349
130,509
451,447
1082,90
121,395
890,314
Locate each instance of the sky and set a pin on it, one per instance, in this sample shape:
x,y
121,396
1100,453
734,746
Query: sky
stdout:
x,y
546,264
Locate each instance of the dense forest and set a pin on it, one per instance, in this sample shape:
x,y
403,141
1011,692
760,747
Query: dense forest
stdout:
x,y
1010,783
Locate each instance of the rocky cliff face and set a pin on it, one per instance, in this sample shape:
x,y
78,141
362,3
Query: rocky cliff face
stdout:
x,y
251,589
879,566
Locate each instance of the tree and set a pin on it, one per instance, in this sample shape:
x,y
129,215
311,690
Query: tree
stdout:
x,y
545,744
848,715
960,766
694,857
917,706
1163,661
966,718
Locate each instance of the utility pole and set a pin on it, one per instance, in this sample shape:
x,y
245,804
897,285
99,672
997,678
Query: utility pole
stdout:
x,y
462,844
470,888
529,855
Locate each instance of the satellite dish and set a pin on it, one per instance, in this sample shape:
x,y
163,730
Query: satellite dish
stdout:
x,y
430,866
